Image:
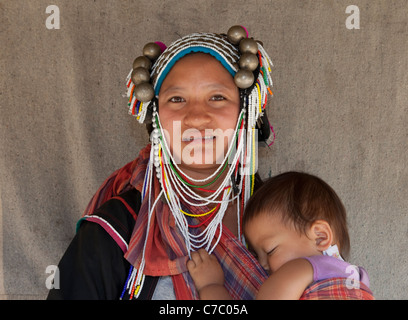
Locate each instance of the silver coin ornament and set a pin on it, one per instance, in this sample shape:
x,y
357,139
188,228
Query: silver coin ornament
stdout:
x,y
244,78
248,46
236,33
248,61
144,92
152,50
140,75
143,62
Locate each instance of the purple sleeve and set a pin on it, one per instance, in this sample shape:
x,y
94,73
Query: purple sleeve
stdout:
x,y
325,267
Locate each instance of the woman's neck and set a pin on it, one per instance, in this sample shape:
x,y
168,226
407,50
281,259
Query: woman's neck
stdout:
x,y
203,173
230,219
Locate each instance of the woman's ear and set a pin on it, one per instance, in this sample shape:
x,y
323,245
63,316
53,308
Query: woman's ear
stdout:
x,y
321,232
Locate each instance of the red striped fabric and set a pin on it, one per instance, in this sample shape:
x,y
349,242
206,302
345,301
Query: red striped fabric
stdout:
x,y
336,289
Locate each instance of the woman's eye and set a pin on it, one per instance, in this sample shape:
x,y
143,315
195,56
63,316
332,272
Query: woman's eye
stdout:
x,y
217,98
176,99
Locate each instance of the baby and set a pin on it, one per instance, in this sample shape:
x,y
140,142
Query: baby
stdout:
x,y
296,226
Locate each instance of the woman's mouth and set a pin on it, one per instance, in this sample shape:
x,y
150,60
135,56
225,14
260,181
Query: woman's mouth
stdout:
x,y
198,139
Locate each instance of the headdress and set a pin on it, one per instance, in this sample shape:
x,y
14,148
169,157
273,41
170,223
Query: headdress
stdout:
x,y
247,61
244,58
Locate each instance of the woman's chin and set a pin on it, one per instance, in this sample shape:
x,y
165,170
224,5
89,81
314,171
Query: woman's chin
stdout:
x,y
200,166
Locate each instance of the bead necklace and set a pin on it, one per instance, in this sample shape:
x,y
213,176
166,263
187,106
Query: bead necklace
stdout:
x,y
177,189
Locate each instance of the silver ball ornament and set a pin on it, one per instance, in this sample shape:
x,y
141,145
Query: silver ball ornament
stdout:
x,y
248,61
144,92
143,62
140,75
244,79
236,33
248,46
152,51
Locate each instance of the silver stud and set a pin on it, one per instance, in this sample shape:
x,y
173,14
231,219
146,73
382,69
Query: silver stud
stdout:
x,y
152,50
248,46
142,61
248,61
236,34
144,92
140,75
244,79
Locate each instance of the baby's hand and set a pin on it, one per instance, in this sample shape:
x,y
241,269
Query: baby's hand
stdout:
x,y
205,269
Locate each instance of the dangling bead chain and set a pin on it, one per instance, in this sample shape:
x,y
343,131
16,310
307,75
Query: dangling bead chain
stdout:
x,y
158,126
177,186
186,213
175,174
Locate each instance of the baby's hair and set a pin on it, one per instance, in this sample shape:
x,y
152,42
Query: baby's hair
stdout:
x,y
301,199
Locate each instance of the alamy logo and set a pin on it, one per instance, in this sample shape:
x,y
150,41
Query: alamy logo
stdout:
x,y
195,147
53,20
52,281
353,20
353,280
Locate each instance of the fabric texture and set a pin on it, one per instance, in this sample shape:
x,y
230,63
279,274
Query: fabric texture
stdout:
x,y
165,252
92,267
325,267
336,279
336,289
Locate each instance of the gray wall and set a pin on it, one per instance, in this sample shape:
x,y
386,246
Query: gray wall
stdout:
x,y
339,111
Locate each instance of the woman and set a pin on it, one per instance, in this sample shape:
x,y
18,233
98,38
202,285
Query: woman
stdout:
x,y
203,100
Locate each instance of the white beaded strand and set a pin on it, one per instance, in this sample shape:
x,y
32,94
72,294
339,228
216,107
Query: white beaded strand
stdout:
x,y
165,145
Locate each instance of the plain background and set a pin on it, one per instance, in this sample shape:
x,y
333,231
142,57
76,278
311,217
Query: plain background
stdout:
x,y
339,111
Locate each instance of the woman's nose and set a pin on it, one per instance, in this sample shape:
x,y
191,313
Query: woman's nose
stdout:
x,y
197,115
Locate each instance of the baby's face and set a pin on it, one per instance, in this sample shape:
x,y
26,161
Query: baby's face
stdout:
x,y
275,243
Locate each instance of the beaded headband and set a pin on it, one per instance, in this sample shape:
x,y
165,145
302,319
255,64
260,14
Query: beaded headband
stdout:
x,y
244,58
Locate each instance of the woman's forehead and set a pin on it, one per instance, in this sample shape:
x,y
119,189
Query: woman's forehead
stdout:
x,y
198,68
197,59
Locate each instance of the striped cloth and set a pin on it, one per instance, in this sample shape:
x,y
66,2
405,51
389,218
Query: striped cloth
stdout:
x,y
166,253
337,289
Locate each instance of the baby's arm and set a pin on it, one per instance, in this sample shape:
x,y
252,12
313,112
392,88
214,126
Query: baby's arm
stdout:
x,y
288,282
208,276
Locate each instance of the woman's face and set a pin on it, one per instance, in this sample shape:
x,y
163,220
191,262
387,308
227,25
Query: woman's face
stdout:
x,y
198,108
